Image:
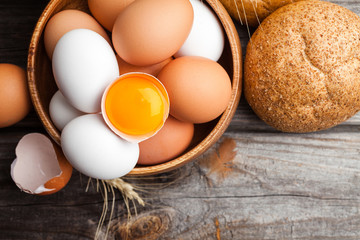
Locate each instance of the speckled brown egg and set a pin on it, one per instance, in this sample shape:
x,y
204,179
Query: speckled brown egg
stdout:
x,y
302,70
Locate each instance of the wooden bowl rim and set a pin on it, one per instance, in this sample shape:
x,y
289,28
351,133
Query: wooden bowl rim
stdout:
x,y
201,147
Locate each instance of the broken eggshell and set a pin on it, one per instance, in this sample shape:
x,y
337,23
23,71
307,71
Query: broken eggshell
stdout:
x,y
40,166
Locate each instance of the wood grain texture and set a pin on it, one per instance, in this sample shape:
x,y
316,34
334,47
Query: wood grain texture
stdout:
x,y
282,186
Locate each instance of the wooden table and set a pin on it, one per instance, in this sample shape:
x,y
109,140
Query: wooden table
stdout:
x,y
279,185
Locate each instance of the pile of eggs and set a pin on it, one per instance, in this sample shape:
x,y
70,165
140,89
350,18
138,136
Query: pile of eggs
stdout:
x,y
133,98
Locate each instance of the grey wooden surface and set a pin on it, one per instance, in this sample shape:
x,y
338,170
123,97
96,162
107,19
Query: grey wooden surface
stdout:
x,y
278,186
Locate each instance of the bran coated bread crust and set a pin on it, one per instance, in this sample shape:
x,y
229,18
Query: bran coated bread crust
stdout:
x,y
252,12
302,67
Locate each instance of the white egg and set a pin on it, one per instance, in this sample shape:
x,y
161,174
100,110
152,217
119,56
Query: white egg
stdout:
x,y
94,150
61,112
83,65
206,38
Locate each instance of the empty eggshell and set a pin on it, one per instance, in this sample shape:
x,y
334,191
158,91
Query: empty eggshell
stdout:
x,y
94,150
83,65
58,182
61,111
40,167
206,38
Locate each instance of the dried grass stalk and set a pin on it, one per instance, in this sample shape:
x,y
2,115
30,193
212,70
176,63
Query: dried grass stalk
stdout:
x,y
128,193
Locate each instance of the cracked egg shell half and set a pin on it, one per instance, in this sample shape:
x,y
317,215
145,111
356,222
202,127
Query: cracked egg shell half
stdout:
x,y
40,166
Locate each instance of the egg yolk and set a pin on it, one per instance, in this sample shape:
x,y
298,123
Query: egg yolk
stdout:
x,y
136,104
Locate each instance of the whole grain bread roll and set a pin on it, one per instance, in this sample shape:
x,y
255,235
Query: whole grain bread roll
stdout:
x,y
253,12
302,67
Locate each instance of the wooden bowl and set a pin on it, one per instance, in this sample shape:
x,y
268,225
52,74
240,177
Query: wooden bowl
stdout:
x,y
42,84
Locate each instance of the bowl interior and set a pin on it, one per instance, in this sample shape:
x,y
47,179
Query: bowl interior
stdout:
x,y
42,84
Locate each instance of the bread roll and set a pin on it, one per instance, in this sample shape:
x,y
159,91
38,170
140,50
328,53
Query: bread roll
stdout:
x,y
302,67
252,12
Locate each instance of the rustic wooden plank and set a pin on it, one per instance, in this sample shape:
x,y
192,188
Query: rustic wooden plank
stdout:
x,y
281,186
17,20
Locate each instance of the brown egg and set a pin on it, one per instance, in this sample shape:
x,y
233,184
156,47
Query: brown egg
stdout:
x,y
15,100
199,88
174,137
149,31
154,69
68,20
106,11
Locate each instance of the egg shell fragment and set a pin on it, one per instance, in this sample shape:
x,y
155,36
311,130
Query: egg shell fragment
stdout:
x,y
36,169
94,150
83,65
59,182
150,31
61,112
206,38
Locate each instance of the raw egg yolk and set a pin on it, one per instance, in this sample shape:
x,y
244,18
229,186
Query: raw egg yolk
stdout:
x,y
137,104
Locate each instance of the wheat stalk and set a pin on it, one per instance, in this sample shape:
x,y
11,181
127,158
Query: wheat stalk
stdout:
x,y
128,192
